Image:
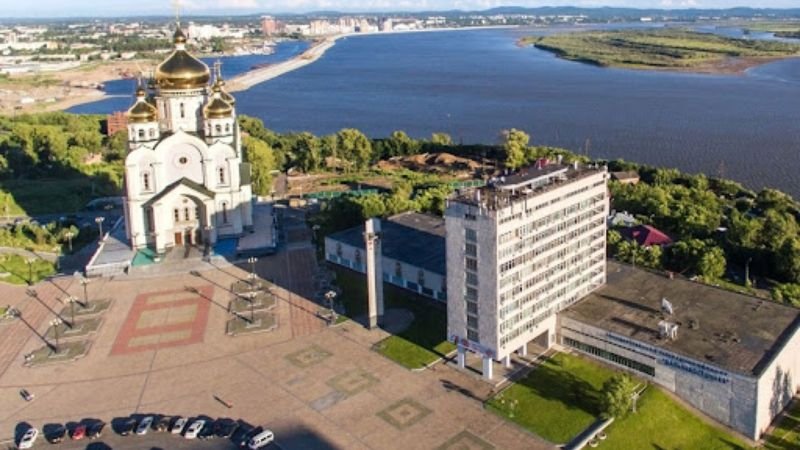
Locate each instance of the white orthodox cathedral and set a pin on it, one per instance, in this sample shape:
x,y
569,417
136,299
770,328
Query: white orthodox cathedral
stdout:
x,y
185,179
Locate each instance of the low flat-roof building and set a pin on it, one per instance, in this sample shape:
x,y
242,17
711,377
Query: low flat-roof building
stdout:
x,y
413,247
732,356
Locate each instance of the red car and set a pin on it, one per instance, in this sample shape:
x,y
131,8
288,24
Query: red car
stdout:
x,y
79,432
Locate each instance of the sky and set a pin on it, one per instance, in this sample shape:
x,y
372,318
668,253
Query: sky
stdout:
x,y
61,8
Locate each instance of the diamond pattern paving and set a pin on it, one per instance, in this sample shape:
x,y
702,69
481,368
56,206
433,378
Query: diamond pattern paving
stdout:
x,y
308,357
352,382
404,413
465,441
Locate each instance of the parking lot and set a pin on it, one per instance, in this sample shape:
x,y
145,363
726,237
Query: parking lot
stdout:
x,y
162,349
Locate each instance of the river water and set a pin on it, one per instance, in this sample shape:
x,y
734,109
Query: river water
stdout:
x,y
473,84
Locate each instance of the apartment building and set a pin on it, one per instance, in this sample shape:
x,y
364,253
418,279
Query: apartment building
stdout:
x,y
520,250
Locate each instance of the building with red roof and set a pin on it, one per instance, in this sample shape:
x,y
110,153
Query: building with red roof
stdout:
x,y
646,235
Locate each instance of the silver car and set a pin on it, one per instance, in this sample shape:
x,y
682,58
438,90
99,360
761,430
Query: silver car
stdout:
x,y
144,425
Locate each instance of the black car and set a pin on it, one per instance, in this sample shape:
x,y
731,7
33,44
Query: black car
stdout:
x,y
127,426
95,429
245,438
227,428
207,432
55,434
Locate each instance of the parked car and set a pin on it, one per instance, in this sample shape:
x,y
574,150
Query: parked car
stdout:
x,y
79,432
27,439
26,395
144,425
127,426
207,432
56,434
245,438
261,440
162,424
194,429
227,429
178,424
95,429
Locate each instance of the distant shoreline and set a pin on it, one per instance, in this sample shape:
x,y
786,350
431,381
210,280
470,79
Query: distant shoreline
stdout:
x,y
623,50
260,75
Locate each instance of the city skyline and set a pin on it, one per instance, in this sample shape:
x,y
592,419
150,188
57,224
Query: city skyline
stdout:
x,y
98,8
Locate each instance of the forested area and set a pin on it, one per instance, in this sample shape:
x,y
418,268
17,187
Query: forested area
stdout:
x,y
720,227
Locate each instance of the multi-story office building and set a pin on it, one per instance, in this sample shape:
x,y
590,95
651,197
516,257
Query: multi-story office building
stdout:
x,y
520,250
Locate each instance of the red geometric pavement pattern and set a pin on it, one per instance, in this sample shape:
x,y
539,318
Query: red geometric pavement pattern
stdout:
x,y
164,319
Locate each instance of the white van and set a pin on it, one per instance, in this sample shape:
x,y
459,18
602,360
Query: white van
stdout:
x,y
260,440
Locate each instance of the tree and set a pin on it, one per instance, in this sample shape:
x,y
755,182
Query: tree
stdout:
x,y
308,152
788,293
787,260
515,146
441,139
617,395
261,158
353,146
778,227
401,144
712,264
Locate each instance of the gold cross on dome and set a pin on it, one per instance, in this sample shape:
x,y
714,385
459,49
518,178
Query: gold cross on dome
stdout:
x,y
176,6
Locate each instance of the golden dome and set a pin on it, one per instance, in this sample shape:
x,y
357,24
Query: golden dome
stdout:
x,y
142,111
218,108
181,70
220,84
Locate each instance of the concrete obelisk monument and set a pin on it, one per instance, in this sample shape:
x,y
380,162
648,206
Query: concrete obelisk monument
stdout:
x,y
372,238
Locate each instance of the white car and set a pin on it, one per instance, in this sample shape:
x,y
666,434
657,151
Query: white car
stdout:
x,y
28,438
179,425
194,429
144,425
261,440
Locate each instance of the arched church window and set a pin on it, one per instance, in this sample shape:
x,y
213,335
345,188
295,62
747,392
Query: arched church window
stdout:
x,y
141,134
227,128
221,175
152,132
176,214
146,181
186,215
183,111
224,212
218,128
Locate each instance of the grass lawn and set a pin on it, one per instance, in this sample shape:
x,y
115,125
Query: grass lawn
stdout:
x,y
661,423
786,435
422,343
556,401
49,196
561,398
20,273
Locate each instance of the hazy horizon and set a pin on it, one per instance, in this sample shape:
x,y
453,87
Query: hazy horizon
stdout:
x,y
102,8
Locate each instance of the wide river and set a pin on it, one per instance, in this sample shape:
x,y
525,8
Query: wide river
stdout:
x,y
474,84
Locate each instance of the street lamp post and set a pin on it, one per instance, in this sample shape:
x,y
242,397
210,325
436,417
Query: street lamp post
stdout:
x,y
30,270
55,323
747,272
99,221
69,235
85,284
252,260
330,296
71,299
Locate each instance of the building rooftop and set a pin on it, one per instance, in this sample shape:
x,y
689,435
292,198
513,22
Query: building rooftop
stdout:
x,y
646,235
732,331
413,238
524,183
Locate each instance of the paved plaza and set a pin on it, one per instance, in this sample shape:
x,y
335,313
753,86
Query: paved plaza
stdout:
x,y
162,349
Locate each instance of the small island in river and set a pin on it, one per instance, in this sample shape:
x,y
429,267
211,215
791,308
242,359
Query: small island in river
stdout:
x,y
671,49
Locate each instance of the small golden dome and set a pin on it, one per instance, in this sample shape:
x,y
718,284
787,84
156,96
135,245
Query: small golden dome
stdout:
x,y
225,94
218,108
142,111
181,70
